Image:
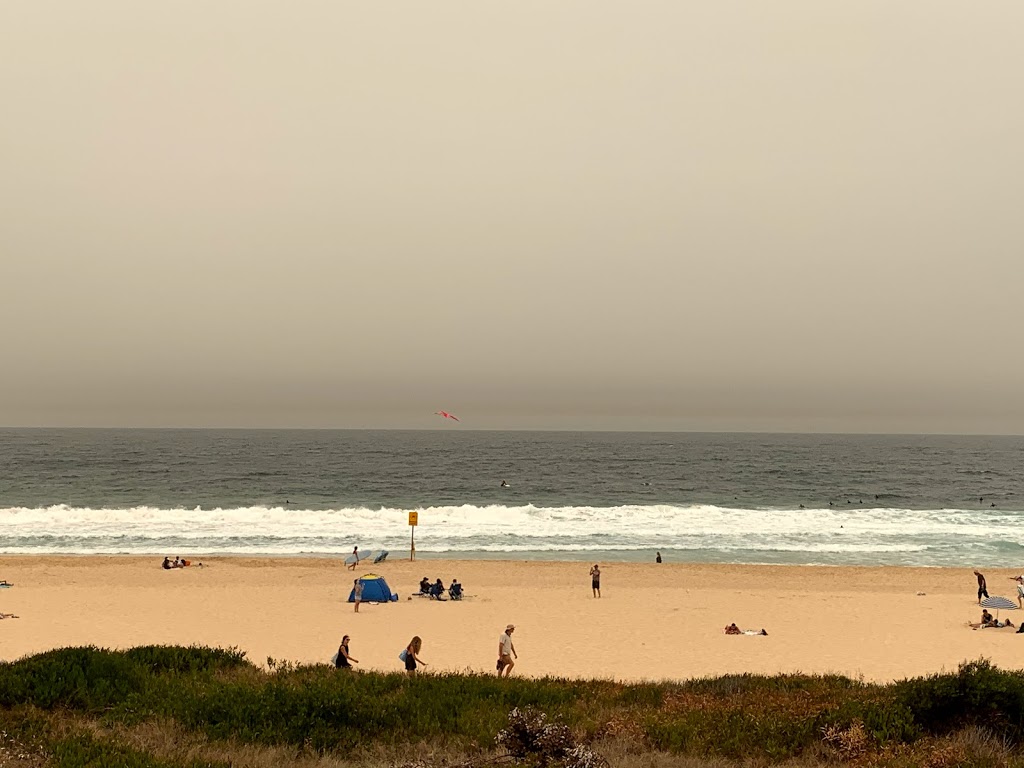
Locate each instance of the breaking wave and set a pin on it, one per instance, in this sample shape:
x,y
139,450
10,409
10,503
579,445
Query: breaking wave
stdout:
x,y
632,532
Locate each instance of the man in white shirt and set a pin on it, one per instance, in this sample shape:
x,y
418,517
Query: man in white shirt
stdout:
x,y
506,651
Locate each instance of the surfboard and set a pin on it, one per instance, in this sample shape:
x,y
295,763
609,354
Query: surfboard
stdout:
x,y
362,556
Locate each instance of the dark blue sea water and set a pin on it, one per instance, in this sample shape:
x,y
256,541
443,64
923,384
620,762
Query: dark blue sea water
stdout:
x,y
851,499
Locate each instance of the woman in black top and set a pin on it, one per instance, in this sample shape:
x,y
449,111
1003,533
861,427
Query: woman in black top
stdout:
x,y
343,655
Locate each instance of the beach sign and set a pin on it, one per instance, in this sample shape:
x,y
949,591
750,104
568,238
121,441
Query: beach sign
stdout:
x,y
414,520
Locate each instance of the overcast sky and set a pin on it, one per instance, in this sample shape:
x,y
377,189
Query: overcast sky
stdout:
x,y
738,214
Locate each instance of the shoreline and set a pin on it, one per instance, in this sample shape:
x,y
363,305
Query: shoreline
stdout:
x,y
653,621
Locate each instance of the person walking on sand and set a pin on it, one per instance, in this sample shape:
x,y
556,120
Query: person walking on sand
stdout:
x,y
982,588
1020,590
355,558
657,557
595,580
345,659
506,651
412,656
357,590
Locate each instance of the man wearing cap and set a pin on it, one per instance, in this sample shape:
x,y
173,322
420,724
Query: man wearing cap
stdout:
x,y
506,650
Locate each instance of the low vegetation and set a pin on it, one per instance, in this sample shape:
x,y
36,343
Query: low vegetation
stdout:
x,y
188,707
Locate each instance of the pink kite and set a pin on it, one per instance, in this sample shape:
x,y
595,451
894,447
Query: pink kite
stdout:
x,y
446,415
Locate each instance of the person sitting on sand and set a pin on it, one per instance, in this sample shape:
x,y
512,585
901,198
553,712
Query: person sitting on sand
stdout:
x,y
166,565
424,586
986,621
437,590
455,590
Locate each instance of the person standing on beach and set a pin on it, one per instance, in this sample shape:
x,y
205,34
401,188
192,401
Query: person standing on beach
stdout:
x,y
595,580
657,558
982,588
412,656
1020,590
506,651
357,589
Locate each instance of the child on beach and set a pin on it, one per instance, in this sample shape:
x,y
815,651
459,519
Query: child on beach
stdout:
x,y
357,589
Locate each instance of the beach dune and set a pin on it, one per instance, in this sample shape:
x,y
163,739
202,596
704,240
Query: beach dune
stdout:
x,y
653,621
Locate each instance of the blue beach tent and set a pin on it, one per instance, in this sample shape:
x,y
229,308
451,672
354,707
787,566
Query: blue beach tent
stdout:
x,y
375,590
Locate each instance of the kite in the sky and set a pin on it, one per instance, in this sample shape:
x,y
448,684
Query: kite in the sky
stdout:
x,y
446,415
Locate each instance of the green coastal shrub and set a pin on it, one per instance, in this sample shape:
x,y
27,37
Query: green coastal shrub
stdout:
x,y
77,678
169,658
218,696
977,695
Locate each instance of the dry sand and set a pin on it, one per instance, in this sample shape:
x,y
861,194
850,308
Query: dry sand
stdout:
x,y
653,621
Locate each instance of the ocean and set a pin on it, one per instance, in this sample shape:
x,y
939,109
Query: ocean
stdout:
x,y
602,496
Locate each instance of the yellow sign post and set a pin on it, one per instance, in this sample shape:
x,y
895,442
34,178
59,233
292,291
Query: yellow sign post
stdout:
x,y
414,520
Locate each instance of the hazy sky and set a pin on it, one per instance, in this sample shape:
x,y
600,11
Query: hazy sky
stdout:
x,y
738,214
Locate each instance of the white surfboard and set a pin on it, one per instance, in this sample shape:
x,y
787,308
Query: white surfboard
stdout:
x,y
362,556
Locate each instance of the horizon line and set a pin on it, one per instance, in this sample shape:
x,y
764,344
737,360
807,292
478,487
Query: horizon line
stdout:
x,y
521,429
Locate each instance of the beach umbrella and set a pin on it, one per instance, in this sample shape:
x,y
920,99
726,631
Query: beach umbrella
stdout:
x,y
998,603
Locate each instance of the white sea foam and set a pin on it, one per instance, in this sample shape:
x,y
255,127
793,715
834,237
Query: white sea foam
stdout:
x,y
698,532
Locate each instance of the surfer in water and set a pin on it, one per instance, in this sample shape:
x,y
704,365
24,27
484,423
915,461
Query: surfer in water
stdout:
x,y
504,484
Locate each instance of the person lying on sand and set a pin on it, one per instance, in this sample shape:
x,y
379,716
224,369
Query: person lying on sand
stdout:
x,y
988,621
732,629
8,616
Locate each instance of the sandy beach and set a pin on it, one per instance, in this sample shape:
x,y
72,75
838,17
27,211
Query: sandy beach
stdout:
x,y
652,621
